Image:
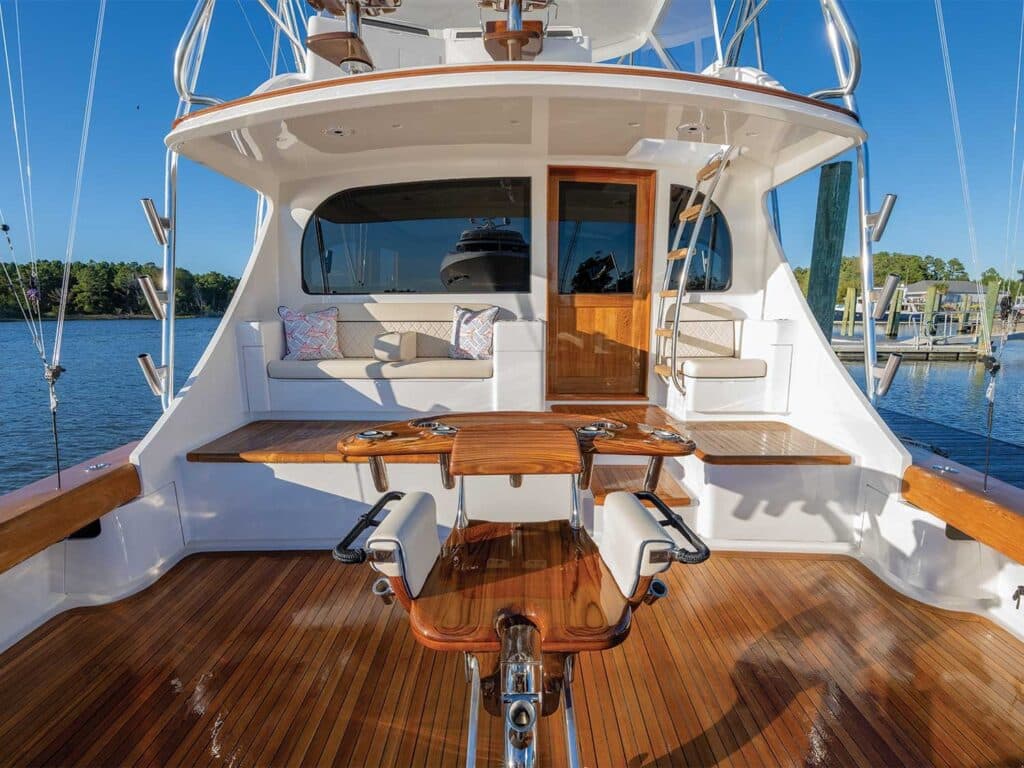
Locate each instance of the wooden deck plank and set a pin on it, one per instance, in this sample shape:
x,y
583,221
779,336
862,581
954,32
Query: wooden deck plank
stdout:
x,y
286,659
728,442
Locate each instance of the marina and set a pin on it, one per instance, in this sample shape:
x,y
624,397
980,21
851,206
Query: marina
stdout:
x,y
519,441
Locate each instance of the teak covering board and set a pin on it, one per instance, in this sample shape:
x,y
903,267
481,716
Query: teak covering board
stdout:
x,y
39,515
995,517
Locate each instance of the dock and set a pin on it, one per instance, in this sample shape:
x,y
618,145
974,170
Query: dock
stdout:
x,y
1006,461
854,351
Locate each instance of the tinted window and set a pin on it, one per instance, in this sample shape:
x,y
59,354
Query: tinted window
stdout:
x,y
454,236
711,265
596,237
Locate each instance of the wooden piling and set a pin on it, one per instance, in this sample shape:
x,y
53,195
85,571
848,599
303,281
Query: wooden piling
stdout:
x,y
827,248
892,325
849,324
988,316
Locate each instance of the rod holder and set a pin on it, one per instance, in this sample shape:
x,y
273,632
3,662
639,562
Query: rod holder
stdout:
x,y
382,589
880,218
154,298
160,225
156,375
892,282
887,373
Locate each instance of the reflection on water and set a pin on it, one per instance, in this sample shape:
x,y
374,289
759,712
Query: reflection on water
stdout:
x,y
104,401
953,393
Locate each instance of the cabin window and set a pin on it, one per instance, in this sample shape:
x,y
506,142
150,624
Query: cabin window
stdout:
x,y
596,237
711,265
451,236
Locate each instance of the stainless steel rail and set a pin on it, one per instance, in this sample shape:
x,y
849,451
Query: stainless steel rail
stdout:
x,y
188,56
840,32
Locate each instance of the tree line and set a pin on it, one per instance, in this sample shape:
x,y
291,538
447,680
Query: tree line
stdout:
x,y
910,267
112,289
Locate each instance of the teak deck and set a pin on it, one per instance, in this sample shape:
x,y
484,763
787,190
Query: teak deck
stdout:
x,y
286,659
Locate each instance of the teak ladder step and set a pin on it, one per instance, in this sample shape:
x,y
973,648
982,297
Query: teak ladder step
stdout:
x,y
677,255
664,370
710,169
690,214
670,294
665,333
608,478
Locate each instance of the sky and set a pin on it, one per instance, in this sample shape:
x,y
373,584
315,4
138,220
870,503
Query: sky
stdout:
x,y
902,100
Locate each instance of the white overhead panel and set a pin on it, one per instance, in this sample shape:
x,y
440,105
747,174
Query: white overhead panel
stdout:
x,y
615,27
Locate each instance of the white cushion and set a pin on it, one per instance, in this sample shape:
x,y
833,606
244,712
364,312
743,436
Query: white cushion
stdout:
x,y
629,534
409,530
369,368
395,347
725,368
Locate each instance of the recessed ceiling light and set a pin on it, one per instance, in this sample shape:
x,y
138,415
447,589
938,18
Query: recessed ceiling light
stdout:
x,y
753,133
691,127
337,130
633,124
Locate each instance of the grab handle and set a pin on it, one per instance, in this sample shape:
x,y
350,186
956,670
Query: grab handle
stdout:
x,y
700,551
344,552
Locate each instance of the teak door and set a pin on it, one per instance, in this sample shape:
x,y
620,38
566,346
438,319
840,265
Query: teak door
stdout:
x,y
600,226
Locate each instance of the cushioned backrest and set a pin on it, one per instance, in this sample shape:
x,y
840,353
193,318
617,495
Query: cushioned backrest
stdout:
x,y
360,324
410,531
706,329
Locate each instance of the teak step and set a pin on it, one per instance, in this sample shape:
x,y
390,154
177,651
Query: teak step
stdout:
x,y
671,294
664,370
677,255
665,333
608,478
710,169
690,214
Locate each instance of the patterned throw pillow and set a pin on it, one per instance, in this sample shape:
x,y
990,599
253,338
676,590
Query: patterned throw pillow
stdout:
x,y
312,336
472,333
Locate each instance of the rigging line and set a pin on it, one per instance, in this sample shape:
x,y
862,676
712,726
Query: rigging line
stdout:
x,y
252,31
76,199
19,290
28,155
1013,143
35,321
959,141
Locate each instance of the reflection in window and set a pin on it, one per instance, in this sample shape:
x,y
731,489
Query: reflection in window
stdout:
x,y
596,237
711,265
452,236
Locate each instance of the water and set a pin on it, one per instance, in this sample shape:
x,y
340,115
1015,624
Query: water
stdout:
x,y
105,401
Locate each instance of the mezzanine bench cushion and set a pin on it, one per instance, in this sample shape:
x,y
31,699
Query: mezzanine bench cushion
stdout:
x,y
369,368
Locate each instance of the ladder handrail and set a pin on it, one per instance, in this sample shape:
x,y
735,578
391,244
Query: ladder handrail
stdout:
x,y
723,157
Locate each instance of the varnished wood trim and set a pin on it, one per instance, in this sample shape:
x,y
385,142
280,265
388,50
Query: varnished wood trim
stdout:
x,y
39,515
609,478
544,571
640,299
738,443
511,450
462,69
994,517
